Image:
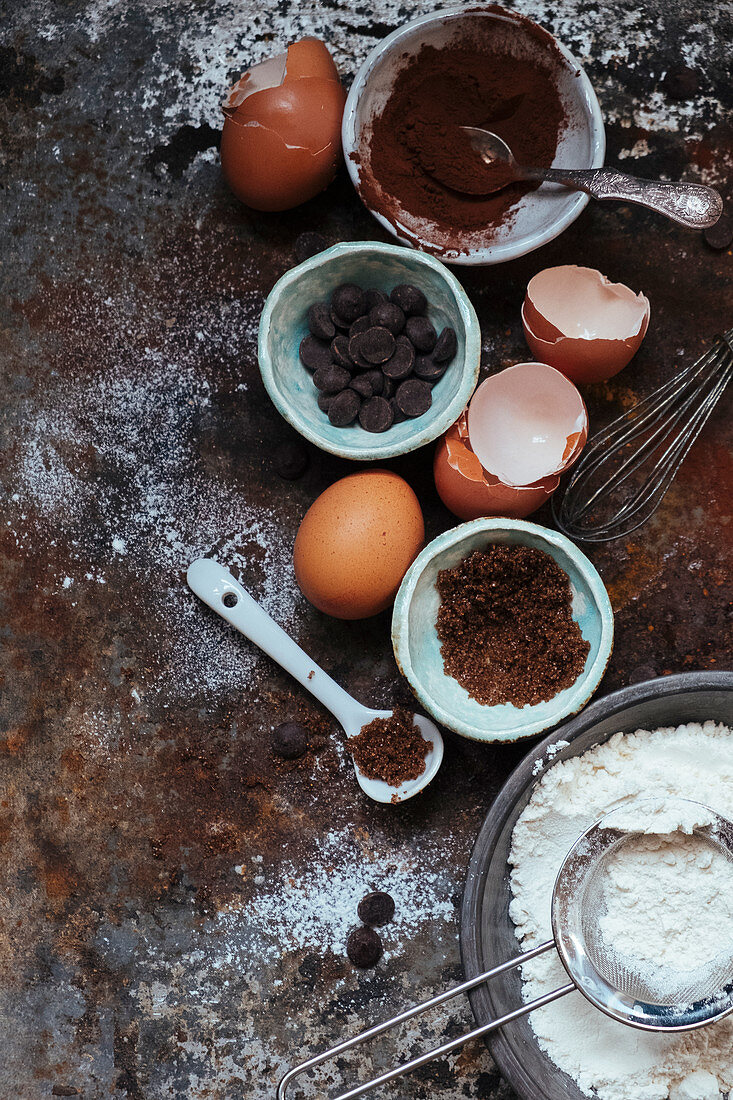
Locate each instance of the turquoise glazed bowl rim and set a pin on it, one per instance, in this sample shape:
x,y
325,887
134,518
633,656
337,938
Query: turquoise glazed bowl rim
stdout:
x,y
571,700
426,428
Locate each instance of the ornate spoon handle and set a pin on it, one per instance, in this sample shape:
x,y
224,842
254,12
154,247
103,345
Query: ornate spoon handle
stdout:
x,y
690,204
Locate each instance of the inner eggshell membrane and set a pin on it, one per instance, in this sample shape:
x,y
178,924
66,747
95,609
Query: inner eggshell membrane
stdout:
x,y
526,423
582,303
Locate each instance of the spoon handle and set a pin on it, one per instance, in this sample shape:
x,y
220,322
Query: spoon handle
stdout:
x,y
690,204
216,586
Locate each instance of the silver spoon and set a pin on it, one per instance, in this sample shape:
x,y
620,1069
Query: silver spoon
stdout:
x,y
690,204
216,586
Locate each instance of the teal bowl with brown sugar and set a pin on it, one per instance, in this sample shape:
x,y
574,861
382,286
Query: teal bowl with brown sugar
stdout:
x,y
417,646
369,264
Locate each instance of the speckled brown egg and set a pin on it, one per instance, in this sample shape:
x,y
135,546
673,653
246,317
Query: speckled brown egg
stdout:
x,y
356,542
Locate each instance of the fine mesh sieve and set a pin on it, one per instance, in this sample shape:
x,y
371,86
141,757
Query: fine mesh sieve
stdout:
x,y
653,998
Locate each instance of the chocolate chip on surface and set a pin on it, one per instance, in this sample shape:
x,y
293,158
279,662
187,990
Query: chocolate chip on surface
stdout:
x,y
376,415
361,324
373,297
446,345
427,369
314,354
400,362
362,385
388,315
720,235
290,459
376,908
290,740
364,947
309,244
375,345
349,301
422,333
410,299
331,379
414,397
319,321
344,408
340,352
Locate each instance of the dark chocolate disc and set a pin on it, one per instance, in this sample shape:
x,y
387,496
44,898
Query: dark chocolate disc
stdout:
x,y
361,324
314,354
446,346
414,397
364,947
344,408
340,322
290,740
349,301
388,315
397,413
340,351
361,385
319,321
376,415
427,369
422,333
375,345
373,297
324,401
400,362
331,379
375,379
376,908
410,299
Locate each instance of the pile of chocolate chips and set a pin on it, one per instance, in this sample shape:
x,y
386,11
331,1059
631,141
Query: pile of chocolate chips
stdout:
x,y
375,358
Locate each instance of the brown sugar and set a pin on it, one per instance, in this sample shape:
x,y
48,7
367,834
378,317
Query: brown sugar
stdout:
x,y
506,628
391,749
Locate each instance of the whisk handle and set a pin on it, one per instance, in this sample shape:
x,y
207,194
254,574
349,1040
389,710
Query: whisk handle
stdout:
x,y
690,204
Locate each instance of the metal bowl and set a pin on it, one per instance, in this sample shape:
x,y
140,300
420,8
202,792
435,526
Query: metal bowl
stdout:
x,y
487,933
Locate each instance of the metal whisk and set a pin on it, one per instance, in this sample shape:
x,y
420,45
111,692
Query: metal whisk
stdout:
x,y
625,470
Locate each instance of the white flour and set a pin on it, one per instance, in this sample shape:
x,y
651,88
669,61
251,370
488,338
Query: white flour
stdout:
x,y
603,1057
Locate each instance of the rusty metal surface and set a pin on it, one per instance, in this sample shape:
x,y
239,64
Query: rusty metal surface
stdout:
x,y
174,902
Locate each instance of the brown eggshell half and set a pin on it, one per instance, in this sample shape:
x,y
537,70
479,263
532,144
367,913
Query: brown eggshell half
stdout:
x,y
282,145
310,58
582,324
469,492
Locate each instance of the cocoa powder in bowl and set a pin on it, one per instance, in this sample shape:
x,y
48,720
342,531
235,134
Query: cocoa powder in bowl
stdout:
x,y
415,142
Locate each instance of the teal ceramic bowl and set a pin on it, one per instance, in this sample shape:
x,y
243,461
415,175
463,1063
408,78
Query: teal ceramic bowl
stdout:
x,y
417,649
370,264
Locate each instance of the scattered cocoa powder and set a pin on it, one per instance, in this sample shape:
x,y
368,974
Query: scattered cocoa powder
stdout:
x,y
391,749
506,628
479,80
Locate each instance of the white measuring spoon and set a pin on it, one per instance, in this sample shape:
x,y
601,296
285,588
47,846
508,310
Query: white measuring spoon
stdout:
x,y
215,585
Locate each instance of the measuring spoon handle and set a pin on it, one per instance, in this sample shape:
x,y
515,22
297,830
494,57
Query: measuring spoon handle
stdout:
x,y
690,204
216,586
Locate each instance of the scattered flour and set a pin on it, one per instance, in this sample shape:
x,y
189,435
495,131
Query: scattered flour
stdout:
x,y
607,1059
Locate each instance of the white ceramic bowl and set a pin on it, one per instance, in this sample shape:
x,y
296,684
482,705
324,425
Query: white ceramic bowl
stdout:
x,y
283,325
540,215
417,647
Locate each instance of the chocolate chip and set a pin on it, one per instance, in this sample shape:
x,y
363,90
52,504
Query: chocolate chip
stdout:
x,y
355,352
309,244
410,299
331,379
375,345
375,378
314,354
362,385
720,235
340,322
290,459
446,346
389,316
290,740
376,415
388,386
414,397
397,413
427,369
376,908
349,301
681,82
340,352
319,321
324,401
400,362
420,330
344,408
364,947
361,324
373,297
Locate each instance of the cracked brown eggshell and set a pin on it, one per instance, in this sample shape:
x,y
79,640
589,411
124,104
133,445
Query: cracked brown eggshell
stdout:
x,y
578,321
281,141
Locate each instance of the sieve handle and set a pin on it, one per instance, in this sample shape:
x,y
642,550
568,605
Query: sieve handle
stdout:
x,y
436,1052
